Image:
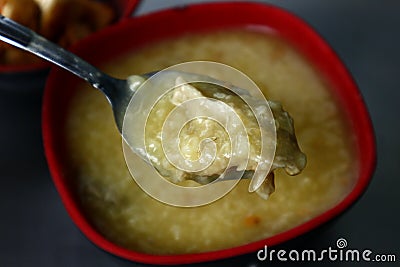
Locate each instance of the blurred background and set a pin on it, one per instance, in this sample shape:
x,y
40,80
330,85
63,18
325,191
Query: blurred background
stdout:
x,y
35,229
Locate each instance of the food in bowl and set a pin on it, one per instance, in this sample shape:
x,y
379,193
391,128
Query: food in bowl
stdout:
x,y
127,216
61,21
219,117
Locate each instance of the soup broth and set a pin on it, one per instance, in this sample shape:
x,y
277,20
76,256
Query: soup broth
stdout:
x,y
126,215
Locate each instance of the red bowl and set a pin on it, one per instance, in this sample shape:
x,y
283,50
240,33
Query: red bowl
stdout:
x,y
114,41
28,77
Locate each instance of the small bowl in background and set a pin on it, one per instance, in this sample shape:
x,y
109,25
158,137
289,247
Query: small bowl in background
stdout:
x,y
32,76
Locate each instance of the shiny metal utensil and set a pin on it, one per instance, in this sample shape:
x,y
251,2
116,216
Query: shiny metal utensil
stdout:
x,y
119,93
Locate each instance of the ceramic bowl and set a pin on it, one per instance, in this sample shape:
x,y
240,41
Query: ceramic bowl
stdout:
x,y
136,32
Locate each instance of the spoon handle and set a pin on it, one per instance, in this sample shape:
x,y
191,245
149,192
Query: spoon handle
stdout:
x,y
20,36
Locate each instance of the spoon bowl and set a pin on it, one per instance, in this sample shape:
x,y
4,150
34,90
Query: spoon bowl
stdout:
x,y
118,92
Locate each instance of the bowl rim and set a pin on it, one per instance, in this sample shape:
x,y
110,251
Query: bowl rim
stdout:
x,y
125,8
240,14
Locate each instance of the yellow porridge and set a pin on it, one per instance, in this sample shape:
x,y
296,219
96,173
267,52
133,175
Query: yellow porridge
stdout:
x,y
126,215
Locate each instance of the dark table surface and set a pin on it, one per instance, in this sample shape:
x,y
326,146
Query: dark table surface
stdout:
x,y
35,229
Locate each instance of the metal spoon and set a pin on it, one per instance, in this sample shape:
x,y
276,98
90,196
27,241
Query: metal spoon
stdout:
x,y
118,92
